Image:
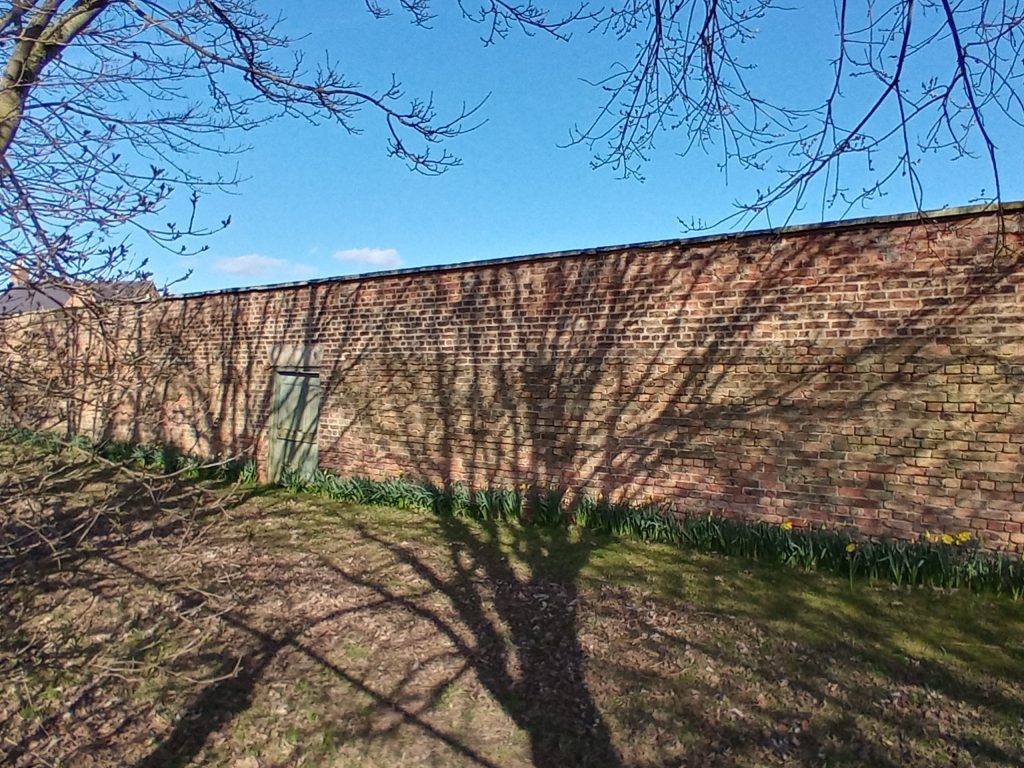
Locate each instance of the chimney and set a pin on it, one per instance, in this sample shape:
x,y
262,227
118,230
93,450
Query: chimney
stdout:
x,y
18,273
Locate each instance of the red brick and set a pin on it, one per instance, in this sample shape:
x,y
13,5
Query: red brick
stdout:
x,y
804,376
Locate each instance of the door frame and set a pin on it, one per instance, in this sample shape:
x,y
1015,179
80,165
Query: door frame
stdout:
x,y
276,457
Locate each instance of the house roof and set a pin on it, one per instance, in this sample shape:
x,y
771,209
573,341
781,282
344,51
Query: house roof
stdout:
x,y
18,299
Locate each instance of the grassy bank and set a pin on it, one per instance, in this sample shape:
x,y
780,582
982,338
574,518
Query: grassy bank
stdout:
x,y
151,622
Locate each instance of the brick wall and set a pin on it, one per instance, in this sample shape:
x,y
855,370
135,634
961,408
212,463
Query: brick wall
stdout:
x,y
869,375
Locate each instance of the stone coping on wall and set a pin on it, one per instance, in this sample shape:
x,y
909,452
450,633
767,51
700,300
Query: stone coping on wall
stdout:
x,y
940,214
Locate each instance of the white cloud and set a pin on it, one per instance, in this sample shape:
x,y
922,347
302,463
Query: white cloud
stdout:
x,y
380,258
251,265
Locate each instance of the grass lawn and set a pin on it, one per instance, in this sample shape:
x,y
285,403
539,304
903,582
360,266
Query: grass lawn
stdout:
x,y
151,623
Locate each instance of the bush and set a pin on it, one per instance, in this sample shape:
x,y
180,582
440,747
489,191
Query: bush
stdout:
x,y
165,459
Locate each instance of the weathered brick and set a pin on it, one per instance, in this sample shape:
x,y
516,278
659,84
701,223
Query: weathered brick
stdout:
x,y
756,375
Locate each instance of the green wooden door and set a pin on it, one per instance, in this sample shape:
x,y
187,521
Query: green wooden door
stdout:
x,y
294,419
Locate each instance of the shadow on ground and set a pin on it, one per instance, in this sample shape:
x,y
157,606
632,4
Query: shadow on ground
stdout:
x,y
149,623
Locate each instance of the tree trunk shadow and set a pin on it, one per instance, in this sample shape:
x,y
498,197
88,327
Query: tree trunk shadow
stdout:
x,y
216,706
527,653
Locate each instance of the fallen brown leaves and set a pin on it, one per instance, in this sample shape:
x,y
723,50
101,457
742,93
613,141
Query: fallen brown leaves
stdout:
x,y
147,623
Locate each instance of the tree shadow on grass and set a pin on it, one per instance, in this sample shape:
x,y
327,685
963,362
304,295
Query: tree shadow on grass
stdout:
x,y
524,624
221,701
514,626
546,623
871,675
101,533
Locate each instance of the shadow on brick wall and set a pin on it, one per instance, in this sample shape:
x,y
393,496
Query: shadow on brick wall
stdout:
x,y
865,378
869,379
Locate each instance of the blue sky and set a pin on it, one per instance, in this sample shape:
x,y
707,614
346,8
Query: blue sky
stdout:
x,y
318,202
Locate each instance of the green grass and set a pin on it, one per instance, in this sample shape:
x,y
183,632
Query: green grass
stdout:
x,y
945,559
983,632
883,635
376,635
949,559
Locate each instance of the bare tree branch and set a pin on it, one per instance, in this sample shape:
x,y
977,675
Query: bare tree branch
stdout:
x,y
945,72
